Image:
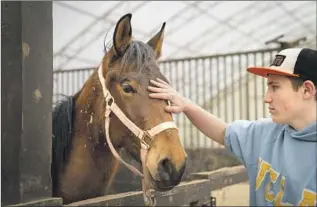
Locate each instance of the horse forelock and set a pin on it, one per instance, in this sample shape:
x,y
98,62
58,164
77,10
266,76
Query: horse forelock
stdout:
x,y
139,58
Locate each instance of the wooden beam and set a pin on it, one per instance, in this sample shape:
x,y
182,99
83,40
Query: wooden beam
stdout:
x,y
193,192
223,177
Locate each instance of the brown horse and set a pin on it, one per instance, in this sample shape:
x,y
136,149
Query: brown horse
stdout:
x,y
83,165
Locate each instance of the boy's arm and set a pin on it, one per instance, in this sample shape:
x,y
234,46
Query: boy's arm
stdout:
x,y
242,141
210,125
240,137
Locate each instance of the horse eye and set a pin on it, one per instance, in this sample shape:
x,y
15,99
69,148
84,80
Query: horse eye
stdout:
x,y
128,89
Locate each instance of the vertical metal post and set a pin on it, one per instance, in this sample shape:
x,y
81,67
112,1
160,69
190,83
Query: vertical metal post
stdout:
x,y
233,71
255,89
225,91
263,85
240,88
247,89
218,86
196,79
190,95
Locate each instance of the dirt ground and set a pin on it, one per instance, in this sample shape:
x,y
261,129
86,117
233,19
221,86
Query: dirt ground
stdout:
x,y
234,195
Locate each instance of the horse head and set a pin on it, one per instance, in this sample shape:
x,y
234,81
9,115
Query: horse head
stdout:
x,y
127,68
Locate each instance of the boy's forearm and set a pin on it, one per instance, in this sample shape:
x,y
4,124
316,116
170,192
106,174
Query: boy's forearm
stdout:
x,y
210,125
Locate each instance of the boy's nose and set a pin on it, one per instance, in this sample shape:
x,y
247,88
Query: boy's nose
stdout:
x,y
267,98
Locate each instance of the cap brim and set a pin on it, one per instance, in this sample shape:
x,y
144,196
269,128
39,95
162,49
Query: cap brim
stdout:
x,y
262,71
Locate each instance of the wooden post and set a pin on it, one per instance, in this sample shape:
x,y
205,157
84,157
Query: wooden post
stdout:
x,y
26,101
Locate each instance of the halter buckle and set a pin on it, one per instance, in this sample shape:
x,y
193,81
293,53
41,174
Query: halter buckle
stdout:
x,y
146,140
109,99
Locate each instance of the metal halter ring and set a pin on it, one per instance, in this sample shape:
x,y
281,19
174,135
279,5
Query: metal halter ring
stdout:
x,y
150,199
147,142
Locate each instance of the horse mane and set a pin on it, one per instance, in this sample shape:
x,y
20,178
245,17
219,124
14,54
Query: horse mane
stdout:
x,y
61,135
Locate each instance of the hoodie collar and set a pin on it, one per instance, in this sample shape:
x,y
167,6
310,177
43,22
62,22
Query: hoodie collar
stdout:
x,y
308,134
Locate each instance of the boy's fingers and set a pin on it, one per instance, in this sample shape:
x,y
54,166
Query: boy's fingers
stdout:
x,y
157,90
172,109
165,96
160,80
161,85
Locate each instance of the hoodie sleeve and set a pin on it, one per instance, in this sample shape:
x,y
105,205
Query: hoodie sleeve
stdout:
x,y
243,139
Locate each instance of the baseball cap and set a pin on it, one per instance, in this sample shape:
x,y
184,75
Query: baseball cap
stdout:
x,y
295,62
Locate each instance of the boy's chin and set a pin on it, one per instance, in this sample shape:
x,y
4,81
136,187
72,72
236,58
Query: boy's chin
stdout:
x,y
279,120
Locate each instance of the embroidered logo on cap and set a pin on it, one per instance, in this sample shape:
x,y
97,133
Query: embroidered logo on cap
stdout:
x,y
278,60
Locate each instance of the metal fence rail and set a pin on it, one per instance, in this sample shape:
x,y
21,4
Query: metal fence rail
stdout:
x,y
218,83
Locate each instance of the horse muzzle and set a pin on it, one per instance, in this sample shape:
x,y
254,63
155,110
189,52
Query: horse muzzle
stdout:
x,y
166,176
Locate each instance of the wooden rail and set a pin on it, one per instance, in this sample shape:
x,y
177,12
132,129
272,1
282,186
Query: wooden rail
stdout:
x,y
222,177
194,192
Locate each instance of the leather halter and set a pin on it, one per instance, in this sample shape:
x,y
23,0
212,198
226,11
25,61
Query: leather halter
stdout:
x,y
146,136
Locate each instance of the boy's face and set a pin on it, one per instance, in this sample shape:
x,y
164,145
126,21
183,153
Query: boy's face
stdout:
x,y
285,104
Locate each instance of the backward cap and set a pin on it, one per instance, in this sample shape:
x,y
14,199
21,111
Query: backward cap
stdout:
x,y
295,62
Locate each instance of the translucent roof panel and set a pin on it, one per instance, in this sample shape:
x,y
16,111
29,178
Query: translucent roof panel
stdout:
x,y
193,28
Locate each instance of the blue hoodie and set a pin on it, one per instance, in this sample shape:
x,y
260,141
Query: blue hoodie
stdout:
x,y
281,162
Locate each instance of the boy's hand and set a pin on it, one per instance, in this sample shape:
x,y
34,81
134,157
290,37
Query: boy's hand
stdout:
x,y
164,91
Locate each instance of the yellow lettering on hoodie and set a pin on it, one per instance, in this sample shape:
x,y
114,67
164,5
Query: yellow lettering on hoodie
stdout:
x,y
308,198
278,200
263,169
269,195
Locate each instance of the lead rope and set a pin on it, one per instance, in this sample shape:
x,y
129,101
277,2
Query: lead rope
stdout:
x,y
148,195
113,150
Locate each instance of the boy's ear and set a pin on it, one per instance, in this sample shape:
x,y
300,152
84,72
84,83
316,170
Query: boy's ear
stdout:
x,y
309,89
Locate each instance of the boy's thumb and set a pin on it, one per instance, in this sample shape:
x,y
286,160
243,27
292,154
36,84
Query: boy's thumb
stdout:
x,y
171,109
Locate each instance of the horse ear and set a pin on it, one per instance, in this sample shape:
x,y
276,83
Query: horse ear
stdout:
x,y
157,41
122,35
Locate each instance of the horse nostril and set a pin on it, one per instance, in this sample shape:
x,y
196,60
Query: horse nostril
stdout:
x,y
167,166
182,169
166,169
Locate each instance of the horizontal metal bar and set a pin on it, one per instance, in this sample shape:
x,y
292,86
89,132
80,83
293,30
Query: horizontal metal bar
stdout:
x,y
222,55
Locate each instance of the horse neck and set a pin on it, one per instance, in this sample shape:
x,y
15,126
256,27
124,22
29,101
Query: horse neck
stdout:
x,y
90,126
89,115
